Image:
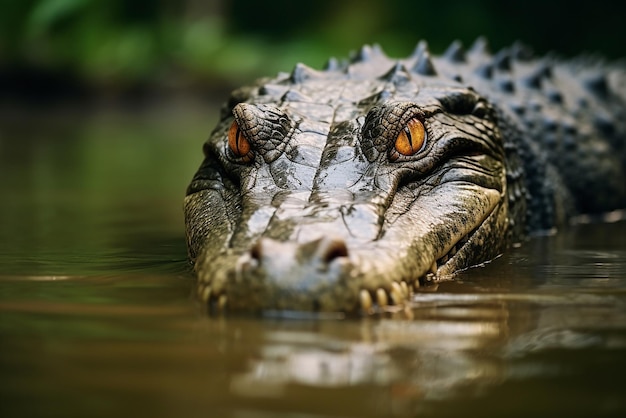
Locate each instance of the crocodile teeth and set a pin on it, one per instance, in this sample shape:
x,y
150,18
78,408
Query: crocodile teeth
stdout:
x,y
405,288
365,299
381,297
396,293
433,268
206,294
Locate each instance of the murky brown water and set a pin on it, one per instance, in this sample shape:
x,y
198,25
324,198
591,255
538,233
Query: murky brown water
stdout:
x,y
97,317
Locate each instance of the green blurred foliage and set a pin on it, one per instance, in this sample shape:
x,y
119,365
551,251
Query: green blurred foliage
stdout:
x,y
122,41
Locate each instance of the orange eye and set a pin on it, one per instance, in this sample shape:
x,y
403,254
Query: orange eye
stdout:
x,y
411,139
237,141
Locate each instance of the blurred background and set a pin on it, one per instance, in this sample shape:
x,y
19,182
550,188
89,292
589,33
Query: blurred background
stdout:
x,y
61,48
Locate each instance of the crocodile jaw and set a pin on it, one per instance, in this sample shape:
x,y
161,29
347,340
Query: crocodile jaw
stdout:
x,y
436,235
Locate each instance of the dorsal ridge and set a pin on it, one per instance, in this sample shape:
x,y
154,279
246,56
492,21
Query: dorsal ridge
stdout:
x,y
424,64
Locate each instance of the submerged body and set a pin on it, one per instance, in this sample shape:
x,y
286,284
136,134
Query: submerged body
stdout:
x,y
347,188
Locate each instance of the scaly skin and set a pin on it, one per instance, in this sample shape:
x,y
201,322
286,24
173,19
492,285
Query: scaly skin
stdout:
x,y
324,213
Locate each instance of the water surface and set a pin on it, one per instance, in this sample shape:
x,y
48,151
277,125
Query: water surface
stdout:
x,y
97,316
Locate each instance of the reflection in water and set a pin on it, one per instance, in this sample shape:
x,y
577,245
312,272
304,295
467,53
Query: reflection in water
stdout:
x,y
431,357
97,317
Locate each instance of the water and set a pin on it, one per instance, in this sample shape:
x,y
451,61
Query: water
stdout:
x,y
97,316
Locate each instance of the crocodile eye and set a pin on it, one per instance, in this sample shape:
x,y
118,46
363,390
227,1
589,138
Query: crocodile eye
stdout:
x,y
411,139
238,143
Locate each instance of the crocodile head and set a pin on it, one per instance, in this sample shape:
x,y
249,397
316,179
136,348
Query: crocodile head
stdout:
x,y
345,194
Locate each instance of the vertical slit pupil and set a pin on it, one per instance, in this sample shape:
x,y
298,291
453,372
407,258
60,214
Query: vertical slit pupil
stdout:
x,y
407,132
238,139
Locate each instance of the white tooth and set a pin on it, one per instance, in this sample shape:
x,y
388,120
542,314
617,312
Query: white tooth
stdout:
x,y
366,300
433,267
443,259
221,302
381,297
405,288
452,251
416,285
396,293
206,294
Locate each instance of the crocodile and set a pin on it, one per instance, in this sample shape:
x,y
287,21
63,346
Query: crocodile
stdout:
x,y
351,187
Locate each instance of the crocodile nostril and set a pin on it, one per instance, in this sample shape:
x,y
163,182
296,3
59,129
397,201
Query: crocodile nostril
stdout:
x,y
330,249
256,251
286,256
